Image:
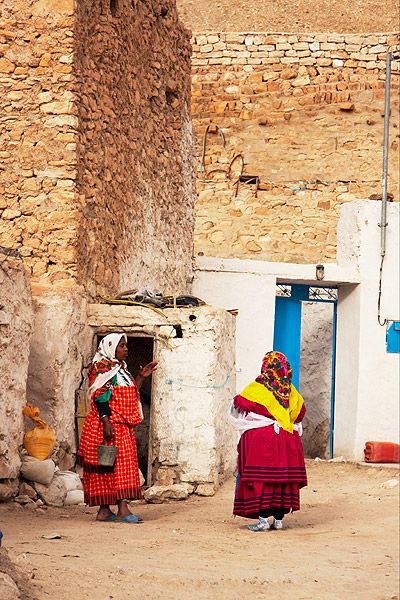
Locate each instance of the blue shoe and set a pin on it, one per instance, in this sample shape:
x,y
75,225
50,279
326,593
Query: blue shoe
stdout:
x,y
129,519
107,519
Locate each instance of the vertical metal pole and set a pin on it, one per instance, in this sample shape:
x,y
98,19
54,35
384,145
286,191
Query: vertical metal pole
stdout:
x,y
333,382
383,223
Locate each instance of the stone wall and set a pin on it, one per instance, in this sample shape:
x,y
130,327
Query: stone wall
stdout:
x,y
38,132
15,331
135,173
97,173
305,114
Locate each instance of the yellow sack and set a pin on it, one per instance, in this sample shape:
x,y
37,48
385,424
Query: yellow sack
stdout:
x,y
39,441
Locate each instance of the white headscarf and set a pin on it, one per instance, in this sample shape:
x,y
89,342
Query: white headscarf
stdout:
x,y
108,346
106,350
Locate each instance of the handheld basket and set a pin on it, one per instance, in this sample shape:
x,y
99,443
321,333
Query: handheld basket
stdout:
x,y
106,455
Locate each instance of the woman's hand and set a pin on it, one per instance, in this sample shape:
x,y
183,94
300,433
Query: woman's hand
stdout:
x,y
108,431
146,371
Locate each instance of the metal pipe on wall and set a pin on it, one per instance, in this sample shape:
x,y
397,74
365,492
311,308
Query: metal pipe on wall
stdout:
x,y
383,223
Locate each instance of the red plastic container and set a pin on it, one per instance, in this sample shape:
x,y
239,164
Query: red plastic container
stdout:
x,y
382,452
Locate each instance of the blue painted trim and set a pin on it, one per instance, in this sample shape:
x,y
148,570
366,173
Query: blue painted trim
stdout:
x,y
333,380
393,337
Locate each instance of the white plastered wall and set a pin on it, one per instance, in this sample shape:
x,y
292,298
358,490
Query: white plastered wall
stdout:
x,y
250,287
367,377
253,295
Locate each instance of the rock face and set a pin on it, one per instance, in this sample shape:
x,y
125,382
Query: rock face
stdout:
x,y
302,111
14,584
8,588
205,489
15,330
53,494
8,489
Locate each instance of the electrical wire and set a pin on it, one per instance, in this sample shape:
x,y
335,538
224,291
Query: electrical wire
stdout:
x,y
385,321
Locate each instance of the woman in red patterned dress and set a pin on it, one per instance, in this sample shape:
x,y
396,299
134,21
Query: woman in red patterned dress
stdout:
x,y
268,415
116,409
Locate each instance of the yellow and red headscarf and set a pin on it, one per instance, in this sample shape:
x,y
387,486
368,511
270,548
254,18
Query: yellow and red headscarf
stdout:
x,y
274,390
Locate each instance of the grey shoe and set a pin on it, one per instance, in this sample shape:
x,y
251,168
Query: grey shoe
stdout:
x,y
277,524
259,526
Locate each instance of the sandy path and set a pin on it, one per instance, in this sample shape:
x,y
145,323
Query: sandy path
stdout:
x,y
343,544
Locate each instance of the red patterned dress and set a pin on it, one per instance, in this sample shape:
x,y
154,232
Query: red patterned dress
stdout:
x,y
271,467
109,485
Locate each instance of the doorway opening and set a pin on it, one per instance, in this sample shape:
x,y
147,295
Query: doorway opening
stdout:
x,y
141,350
305,331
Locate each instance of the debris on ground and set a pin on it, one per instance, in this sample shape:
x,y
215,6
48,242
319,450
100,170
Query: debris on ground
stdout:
x,y
390,484
338,459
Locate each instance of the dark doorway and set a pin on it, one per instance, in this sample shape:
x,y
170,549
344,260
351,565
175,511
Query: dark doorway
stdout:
x,y
140,353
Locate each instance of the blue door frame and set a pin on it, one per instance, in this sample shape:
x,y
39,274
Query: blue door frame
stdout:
x,y
287,337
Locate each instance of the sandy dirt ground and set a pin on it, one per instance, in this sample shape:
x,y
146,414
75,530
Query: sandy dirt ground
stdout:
x,y
342,545
341,16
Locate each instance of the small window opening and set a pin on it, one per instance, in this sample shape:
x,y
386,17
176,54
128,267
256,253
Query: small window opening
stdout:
x,y
250,179
164,11
114,7
192,317
179,332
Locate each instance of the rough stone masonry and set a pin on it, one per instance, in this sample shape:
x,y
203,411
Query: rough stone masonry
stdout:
x,y
97,173
304,112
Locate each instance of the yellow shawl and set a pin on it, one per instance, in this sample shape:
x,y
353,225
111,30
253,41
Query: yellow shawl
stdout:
x,y
286,417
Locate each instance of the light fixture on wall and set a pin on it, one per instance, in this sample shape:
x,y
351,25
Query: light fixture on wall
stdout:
x,y
320,272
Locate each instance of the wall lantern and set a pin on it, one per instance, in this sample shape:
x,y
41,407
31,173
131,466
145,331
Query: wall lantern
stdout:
x,y
320,272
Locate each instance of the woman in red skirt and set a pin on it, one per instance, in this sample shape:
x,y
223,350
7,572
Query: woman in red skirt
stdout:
x,y
268,415
116,409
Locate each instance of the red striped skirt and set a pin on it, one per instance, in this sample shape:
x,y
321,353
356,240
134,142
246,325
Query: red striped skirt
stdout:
x,y
271,472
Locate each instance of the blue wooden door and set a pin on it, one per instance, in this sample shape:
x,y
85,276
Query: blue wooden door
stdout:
x,y
287,332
